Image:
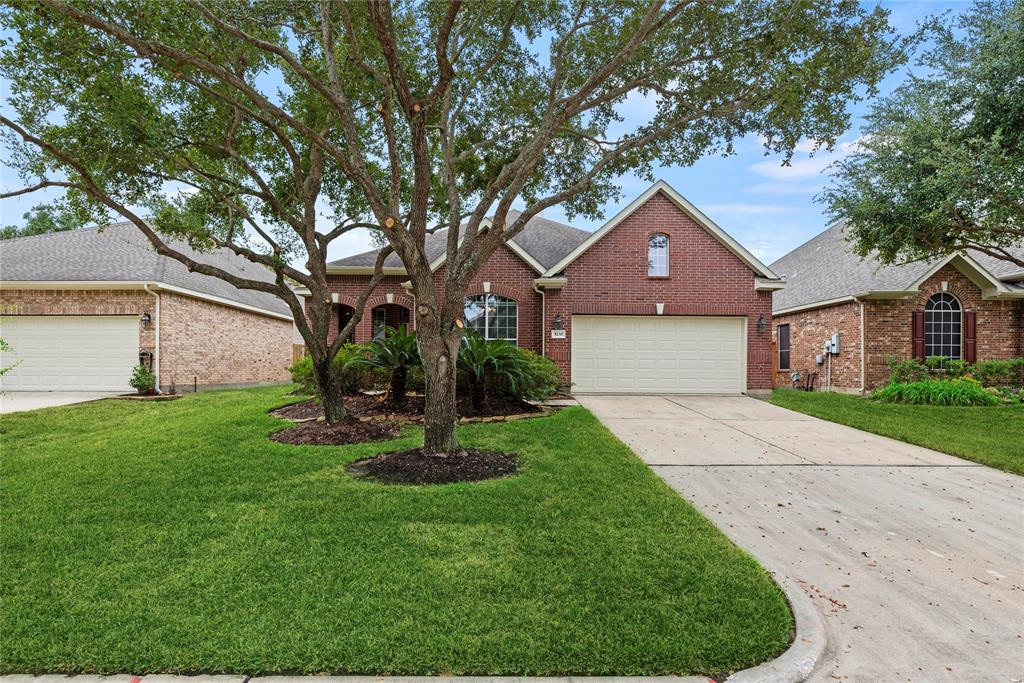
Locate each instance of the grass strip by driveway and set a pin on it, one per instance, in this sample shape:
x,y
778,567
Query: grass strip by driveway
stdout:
x,y
990,435
174,537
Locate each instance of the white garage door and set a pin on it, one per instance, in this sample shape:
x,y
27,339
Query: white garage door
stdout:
x,y
655,354
69,352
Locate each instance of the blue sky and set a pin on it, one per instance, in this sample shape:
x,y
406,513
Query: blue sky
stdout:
x,y
768,207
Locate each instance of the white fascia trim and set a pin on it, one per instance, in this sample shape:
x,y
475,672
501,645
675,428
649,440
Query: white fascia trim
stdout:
x,y
763,284
993,293
74,284
959,261
136,284
364,270
550,282
679,200
817,304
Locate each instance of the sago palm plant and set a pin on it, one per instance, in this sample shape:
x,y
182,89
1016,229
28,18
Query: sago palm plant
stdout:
x,y
482,361
396,352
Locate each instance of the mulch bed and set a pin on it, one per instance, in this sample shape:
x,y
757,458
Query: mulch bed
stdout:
x,y
414,467
316,433
365,405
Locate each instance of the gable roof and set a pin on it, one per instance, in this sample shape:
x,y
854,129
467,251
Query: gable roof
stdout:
x,y
825,269
541,243
121,253
684,205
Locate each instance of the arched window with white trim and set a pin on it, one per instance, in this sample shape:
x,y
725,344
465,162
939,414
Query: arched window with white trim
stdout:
x,y
657,255
493,316
943,326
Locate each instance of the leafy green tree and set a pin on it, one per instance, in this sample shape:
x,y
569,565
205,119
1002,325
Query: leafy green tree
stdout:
x,y
39,220
940,166
406,117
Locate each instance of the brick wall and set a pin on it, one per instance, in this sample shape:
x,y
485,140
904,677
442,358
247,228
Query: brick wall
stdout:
x,y
705,278
808,330
887,331
132,302
220,344
216,344
888,324
507,274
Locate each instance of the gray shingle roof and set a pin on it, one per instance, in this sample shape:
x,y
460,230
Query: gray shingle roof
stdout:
x,y
825,268
121,253
547,241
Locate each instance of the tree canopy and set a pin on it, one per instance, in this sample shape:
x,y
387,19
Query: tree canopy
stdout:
x,y
940,166
40,220
274,127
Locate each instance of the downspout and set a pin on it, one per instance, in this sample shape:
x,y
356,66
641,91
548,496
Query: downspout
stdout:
x,y
543,321
156,345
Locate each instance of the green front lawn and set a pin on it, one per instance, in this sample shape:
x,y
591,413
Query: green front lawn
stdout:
x,y
175,537
991,435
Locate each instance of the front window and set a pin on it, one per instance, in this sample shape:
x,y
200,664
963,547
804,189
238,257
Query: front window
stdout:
x,y
493,316
783,347
942,326
388,315
657,256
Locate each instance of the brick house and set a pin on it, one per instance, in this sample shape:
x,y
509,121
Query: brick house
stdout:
x,y
81,308
968,306
659,299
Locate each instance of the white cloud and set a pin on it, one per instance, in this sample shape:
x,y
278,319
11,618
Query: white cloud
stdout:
x,y
803,165
354,242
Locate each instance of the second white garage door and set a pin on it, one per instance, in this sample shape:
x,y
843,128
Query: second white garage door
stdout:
x,y
69,352
656,354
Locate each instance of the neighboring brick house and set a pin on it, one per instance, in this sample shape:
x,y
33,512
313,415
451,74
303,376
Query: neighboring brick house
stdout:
x,y
81,308
659,299
968,306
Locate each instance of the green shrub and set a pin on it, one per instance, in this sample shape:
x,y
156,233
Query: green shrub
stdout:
x,y
962,391
1007,373
352,378
143,380
542,376
905,371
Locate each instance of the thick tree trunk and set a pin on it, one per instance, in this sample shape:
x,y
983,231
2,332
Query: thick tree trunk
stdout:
x,y
329,386
399,379
439,353
478,391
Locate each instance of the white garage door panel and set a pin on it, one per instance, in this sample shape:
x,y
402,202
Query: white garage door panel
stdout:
x,y
649,354
69,352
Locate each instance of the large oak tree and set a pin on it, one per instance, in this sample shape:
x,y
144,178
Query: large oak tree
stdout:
x,y
940,166
289,123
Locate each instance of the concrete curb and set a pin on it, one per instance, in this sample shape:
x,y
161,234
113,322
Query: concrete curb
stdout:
x,y
797,663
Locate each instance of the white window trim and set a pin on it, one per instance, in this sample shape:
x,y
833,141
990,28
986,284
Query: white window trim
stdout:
x,y
668,246
506,298
960,334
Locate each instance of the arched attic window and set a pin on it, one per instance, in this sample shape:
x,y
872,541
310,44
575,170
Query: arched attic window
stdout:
x,y
657,255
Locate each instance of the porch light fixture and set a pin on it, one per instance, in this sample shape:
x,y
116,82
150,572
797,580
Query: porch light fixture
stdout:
x,y
557,323
147,320
762,325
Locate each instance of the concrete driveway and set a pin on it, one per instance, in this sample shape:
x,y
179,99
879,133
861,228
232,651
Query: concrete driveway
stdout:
x,y
914,558
18,401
